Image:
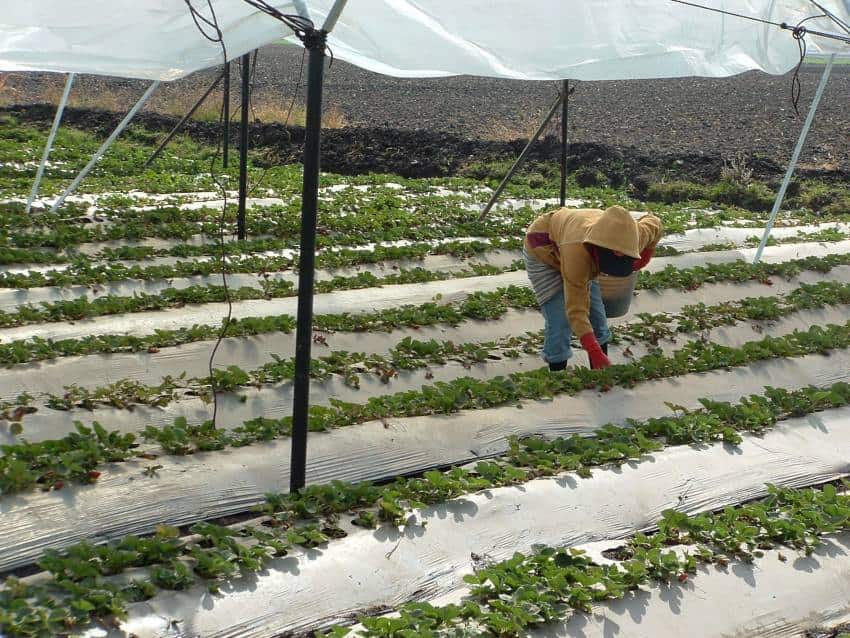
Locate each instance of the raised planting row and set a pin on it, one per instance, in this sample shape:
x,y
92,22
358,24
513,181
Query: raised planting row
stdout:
x,y
441,265
412,354
488,306
110,305
379,218
234,247
124,502
352,217
83,271
78,456
550,584
151,368
83,308
275,403
78,268
487,525
216,553
441,543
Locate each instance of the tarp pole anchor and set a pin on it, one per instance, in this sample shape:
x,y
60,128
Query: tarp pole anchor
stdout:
x,y
521,159
315,43
50,138
243,146
225,151
105,146
179,126
780,196
565,103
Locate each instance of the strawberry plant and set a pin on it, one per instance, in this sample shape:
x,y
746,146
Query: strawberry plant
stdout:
x,y
549,584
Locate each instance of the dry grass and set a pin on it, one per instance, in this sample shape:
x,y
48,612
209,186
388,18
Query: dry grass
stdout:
x,y
8,92
263,109
736,170
522,129
167,100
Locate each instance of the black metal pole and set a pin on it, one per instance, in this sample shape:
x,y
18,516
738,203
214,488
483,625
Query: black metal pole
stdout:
x,y
243,146
315,44
181,123
225,152
565,102
521,159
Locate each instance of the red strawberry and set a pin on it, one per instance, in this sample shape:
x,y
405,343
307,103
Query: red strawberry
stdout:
x,y
58,485
683,577
94,475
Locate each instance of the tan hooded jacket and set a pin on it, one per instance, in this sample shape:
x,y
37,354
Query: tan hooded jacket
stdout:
x,y
557,239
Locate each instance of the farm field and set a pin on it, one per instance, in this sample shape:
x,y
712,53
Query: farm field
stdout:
x,y
456,487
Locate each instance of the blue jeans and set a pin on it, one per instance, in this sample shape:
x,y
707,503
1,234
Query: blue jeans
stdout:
x,y
557,333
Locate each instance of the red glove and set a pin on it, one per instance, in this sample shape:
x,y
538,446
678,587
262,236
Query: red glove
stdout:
x,y
645,256
598,359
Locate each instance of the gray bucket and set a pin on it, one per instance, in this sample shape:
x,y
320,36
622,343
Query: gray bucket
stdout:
x,y
617,293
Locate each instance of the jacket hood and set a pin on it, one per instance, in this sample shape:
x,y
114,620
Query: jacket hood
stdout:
x,y
617,230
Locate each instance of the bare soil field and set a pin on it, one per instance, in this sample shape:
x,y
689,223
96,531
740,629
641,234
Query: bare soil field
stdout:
x,y
683,127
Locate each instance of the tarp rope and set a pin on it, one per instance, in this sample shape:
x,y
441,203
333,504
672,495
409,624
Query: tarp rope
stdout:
x,y
210,29
798,32
217,38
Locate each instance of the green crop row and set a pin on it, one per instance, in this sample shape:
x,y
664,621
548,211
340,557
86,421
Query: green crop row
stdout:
x,y
513,596
477,306
83,308
412,354
80,590
73,458
83,271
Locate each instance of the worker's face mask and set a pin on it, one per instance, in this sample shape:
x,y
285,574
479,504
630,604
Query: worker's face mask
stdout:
x,y
614,265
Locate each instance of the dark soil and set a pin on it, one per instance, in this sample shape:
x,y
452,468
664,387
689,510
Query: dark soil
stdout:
x,y
679,127
831,632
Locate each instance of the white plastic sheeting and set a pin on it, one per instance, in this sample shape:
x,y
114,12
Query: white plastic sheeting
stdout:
x,y
210,485
369,570
531,39
390,296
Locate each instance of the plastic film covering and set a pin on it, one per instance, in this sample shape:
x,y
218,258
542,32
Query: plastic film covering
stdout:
x,y
371,569
211,485
529,40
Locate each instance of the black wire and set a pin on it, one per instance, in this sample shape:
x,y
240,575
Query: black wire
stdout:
x,y
832,16
251,81
799,34
796,86
298,82
723,11
299,25
218,38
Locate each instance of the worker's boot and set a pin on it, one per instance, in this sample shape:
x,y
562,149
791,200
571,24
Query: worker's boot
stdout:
x,y
556,367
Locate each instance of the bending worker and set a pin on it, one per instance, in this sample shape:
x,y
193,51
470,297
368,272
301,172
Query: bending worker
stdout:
x,y
564,251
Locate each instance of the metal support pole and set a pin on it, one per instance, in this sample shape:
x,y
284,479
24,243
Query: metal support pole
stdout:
x,y
103,147
243,146
181,123
225,153
315,44
565,102
521,159
780,196
51,136
333,15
